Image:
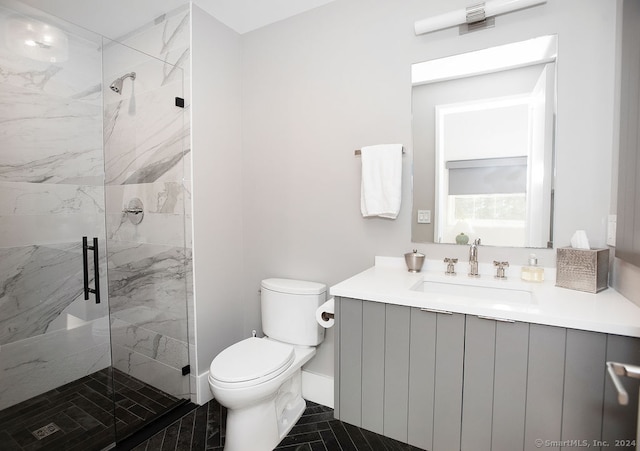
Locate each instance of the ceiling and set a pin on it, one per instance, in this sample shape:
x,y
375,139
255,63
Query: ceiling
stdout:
x,y
115,18
247,15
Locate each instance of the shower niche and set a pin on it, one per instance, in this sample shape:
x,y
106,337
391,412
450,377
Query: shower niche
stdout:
x,y
92,125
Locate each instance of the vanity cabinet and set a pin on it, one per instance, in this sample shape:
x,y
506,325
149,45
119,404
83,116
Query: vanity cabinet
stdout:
x,y
449,381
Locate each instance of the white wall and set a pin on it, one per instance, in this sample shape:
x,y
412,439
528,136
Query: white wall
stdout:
x,y
217,187
319,85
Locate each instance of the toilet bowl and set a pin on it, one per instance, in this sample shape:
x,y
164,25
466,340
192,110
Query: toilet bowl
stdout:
x,y
259,380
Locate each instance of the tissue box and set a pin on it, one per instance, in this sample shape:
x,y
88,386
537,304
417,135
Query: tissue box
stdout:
x,y
582,269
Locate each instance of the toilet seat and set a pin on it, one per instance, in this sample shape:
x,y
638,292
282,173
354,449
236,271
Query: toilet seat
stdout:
x,y
250,362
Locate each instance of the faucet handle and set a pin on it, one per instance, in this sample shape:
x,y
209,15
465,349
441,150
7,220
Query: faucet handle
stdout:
x,y
476,241
500,272
451,268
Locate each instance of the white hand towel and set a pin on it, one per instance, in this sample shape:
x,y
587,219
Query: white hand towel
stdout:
x,y
381,189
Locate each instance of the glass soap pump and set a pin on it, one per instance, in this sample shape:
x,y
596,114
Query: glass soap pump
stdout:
x,y
532,272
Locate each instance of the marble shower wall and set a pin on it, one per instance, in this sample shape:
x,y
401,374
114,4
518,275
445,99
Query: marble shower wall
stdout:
x,y
146,142
51,194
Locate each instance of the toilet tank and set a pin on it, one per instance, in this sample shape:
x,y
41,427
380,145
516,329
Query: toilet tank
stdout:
x,y
289,310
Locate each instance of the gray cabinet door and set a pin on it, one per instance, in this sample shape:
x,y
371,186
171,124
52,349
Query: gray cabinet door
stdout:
x,y
545,384
422,371
584,374
373,366
619,422
396,371
495,380
447,403
510,386
351,361
477,407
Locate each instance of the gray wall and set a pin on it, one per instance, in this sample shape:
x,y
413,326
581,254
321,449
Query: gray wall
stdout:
x,y
319,85
217,179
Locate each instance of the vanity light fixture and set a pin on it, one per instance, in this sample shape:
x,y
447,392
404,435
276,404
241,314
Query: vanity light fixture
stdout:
x,y
475,16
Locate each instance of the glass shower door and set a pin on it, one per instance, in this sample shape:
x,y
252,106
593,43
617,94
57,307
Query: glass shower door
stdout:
x,y
55,384
144,147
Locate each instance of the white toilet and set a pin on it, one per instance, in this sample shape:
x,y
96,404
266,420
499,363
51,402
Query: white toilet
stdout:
x,y
258,380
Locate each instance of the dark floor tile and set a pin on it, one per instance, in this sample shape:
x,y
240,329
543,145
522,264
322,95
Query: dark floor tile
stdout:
x,y
300,438
355,433
214,425
341,434
309,427
82,418
330,441
317,409
123,401
316,417
103,416
155,442
199,440
101,400
142,400
127,380
186,432
25,408
157,396
317,446
140,447
374,440
300,447
126,416
8,443
97,440
171,437
141,411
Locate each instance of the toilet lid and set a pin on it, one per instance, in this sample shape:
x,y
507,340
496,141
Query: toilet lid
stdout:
x,y
253,358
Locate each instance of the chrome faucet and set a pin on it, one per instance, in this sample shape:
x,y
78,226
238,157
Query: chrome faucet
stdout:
x,y
473,258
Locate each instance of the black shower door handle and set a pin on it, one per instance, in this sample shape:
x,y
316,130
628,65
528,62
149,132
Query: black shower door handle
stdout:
x,y
85,268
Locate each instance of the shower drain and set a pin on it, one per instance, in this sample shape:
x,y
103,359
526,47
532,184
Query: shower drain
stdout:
x,y
45,431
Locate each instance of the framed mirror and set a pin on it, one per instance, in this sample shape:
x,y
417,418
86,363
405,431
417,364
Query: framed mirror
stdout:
x,y
483,136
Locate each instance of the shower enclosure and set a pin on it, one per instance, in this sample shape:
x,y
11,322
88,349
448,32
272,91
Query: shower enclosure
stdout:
x,y
93,261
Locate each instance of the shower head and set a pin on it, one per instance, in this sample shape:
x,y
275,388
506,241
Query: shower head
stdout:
x,y
116,86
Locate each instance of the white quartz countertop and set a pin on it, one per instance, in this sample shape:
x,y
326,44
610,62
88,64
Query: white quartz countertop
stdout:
x,y
390,282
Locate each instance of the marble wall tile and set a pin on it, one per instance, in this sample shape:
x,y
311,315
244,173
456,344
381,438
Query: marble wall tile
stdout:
x,y
155,228
35,365
145,146
164,377
147,287
19,198
49,139
160,197
42,213
78,77
37,283
24,230
166,39
165,349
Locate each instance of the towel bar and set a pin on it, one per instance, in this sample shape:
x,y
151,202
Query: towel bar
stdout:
x,y
358,152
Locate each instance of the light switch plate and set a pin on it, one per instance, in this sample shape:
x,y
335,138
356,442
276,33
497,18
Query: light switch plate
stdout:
x,y
424,216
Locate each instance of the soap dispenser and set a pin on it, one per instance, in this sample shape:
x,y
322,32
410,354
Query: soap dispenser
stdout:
x,y
532,272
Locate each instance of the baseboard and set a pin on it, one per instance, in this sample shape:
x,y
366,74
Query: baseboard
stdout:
x,y
317,388
203,392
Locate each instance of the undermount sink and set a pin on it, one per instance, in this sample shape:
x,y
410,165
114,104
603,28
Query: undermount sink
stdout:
x,y
505,294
